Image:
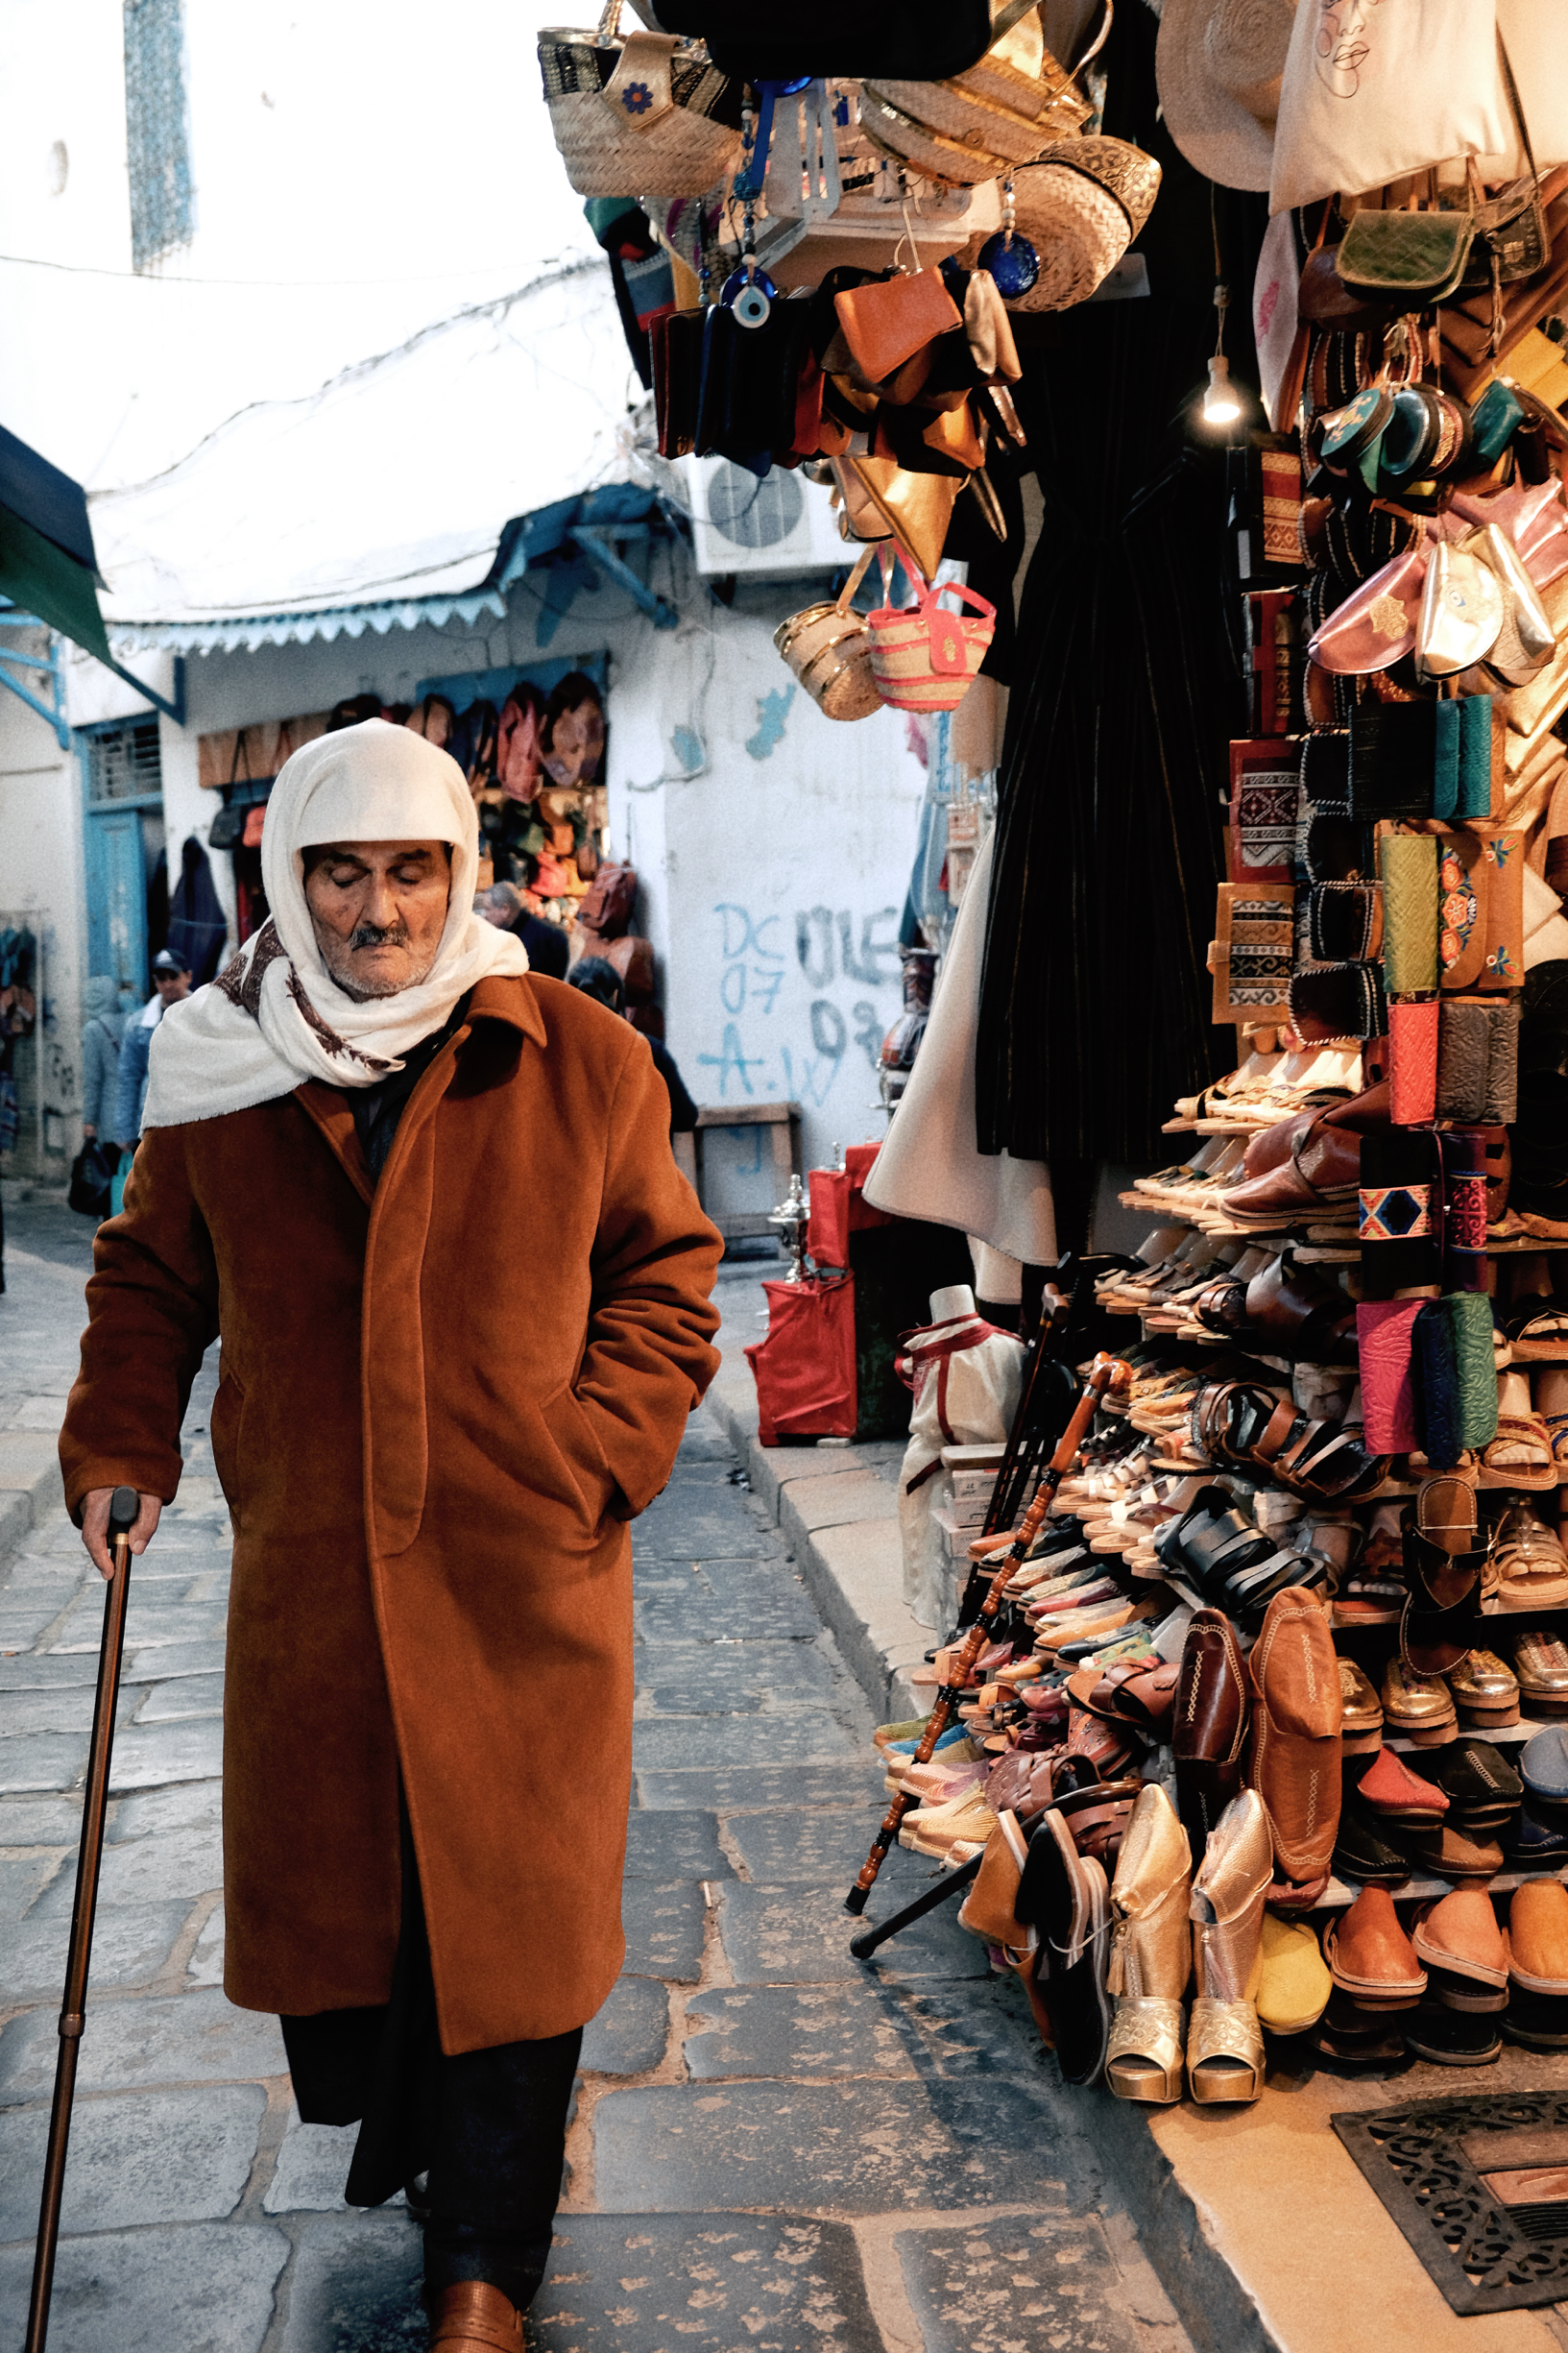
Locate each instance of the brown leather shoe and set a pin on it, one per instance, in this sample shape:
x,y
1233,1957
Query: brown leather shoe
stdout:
x,y
1208,1732
1538,1937
475,2318
1459,1934
1372,1958
1296,1739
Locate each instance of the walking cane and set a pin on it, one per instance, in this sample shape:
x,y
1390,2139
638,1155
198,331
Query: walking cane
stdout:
x,y
1105,1373
121,1517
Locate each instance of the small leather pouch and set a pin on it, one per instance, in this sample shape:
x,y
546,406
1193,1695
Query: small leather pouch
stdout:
x,y
1337,1002
1400,1195
1391,759
1344,922
1377,623
1447,726
1250,961
1413,1051
1475,769
677,356
1464,877
1331,846
1464,1035
1325,765
1409,866
1463,1154
1504,963
887,322
1384,1337
1500,1107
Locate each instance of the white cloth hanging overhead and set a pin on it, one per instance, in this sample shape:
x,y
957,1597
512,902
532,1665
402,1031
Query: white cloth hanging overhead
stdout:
x,y
930,1166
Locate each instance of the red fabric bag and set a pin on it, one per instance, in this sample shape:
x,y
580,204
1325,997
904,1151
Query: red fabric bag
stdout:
x,y
839,1208
805,1369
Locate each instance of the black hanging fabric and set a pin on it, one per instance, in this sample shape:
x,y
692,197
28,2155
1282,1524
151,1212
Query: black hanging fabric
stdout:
x,y
1127,689
197,926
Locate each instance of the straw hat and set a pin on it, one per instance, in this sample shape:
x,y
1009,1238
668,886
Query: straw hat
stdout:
x,y
1219,64
1080,207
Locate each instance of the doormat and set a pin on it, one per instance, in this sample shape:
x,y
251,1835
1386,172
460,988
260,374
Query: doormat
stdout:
x,y
1479,2188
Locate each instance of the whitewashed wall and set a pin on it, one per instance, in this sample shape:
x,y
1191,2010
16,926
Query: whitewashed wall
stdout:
x,y
40,882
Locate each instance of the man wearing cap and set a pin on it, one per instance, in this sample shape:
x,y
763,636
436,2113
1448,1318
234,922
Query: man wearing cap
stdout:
x,y
171,985
354,1143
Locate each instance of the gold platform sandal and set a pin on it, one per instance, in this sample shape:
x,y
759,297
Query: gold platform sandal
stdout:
x,y
1225,2043
1150,1952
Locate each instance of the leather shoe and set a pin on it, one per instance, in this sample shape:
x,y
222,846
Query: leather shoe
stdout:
x,y
1361,1853
1397,1794
1459,1937
1371,1957
1361,1711
1295,1740
1541,1664
474,2318
1452,1854
1538,1937
1452,2038
1486,1690
1536,1839
1483,1788
1417,1707
1209,1729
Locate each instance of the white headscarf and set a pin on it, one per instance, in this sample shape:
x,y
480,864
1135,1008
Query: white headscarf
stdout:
x,y
275,1016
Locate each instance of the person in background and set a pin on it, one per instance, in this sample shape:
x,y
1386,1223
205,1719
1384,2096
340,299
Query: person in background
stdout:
x,y
99,1057
596,976
548,951
170,982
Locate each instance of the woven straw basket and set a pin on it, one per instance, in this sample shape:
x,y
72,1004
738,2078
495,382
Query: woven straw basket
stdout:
x,y
925,659
829,649
643,117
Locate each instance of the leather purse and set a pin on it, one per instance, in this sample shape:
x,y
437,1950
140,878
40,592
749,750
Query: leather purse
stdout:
x,y
1406,260
888,322
1514,241
1251,958
883,500
1344,922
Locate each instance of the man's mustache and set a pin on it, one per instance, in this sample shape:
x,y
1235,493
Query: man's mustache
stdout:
x,y
371,935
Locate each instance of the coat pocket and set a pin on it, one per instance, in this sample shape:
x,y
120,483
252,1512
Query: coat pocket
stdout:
x,y
568,1423
228,1416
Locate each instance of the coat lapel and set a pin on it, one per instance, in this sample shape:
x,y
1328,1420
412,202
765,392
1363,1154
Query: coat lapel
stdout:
x,y
325,1105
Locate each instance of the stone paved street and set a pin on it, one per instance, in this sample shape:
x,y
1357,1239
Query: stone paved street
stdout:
x,y
773,2147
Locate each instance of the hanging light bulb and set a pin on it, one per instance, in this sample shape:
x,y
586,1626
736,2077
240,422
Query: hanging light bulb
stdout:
x,y
1220,405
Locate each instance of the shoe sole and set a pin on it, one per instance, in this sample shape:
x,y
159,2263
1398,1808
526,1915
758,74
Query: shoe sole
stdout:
x,y
1454,2058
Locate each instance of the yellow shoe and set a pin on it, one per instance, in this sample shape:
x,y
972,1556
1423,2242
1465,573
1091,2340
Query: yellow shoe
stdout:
x,y
1293,1983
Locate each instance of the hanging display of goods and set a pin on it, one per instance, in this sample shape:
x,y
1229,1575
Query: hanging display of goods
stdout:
x,y
1525,644
1081,207
1350,438
827,649
923,657
644,114
976,125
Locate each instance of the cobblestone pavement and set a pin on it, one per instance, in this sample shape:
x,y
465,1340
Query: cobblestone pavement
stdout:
x,y
773,2147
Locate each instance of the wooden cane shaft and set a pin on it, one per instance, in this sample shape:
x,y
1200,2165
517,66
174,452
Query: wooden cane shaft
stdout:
x,y
73,2009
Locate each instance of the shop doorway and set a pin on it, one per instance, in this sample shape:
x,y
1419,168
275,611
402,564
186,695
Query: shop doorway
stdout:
x,y
127,872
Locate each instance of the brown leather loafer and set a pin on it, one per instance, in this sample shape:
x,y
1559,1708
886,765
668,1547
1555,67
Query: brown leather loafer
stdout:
x,y
1295,1736
1397,1794
474,2318
1208,1731
1372,1958
1459,1937
1538,1937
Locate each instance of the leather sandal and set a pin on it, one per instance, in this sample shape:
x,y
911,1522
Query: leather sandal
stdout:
x,y
1443,1565
1224,2043
1521,1454
1231,1562
1150,1953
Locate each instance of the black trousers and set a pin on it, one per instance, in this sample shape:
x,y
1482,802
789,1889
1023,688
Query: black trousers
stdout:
x,y
488,2127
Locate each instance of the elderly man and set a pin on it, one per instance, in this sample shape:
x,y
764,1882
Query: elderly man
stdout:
x,y
353,1142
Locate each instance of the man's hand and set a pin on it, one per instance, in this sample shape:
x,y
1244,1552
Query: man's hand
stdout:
x,y
95,1526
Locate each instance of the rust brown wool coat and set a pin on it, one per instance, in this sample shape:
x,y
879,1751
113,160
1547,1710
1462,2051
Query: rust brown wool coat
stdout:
x,y
443,1397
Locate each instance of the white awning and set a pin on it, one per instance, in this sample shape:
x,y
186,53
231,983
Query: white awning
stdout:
x,y
378,502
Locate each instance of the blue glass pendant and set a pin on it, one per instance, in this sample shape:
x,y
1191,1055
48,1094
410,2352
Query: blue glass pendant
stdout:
x,y
751,297
1012,262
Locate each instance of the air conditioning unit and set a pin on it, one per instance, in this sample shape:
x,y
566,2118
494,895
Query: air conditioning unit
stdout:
x,y
763,531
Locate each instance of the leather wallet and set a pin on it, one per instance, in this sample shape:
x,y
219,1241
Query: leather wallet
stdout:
x,y
1383,1345
1413,1055
1344,922
1463,1051
1392,756
887,322
1252,951
1325,765
1409,866
1337,1002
